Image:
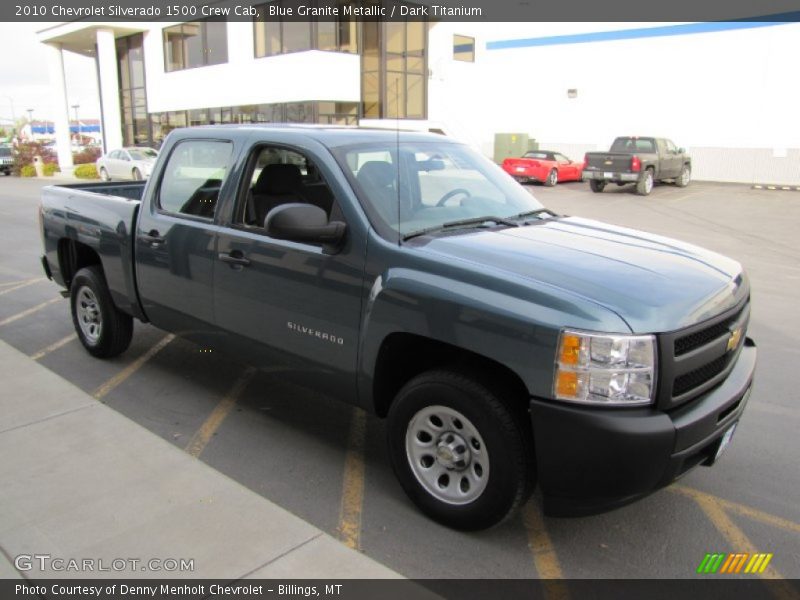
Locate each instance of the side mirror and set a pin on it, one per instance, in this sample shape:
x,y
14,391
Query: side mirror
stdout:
x,y
681,150
308,223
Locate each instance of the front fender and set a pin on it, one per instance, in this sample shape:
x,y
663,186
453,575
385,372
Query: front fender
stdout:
x,y
505,327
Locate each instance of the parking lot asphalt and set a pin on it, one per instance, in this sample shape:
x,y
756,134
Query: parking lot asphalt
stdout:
x,y
326,462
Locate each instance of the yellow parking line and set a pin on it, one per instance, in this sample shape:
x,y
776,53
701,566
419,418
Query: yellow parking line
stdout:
x,y
27,312
741,543
109,385
741,509
53,347
544,554
18,284
207,430
353,482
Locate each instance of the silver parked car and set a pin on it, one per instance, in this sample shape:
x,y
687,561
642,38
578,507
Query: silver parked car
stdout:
x,y
127,163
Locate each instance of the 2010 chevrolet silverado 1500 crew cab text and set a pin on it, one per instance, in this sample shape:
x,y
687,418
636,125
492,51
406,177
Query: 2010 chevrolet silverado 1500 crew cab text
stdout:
x,y
406,274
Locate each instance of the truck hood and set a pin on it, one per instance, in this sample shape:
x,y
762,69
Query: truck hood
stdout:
x,y
655,284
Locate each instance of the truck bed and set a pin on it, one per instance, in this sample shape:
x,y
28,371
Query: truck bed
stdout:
x,y
132,190
102,217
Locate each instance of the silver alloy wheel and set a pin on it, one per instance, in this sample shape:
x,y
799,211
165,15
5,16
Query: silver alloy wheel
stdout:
x,y
686,174
104,174
648,182
553,177
447,455
90,319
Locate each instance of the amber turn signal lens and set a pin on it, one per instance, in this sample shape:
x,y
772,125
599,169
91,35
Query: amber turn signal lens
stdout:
x,y
570,350
567,384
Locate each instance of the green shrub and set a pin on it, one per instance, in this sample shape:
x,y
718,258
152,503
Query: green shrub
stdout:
x,y
88,171
24,153
27,171
51,168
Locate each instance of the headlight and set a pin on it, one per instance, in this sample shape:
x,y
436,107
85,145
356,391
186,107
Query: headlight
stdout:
x,y
610,370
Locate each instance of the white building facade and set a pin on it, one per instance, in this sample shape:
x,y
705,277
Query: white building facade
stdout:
x,y
728,92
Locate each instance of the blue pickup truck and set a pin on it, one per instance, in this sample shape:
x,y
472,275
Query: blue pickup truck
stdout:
x,y
507,345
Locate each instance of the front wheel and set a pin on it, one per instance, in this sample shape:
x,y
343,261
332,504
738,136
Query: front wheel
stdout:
x,y
685,177
461,455
552,178
136,174
645,184
597,185
103,329
104,174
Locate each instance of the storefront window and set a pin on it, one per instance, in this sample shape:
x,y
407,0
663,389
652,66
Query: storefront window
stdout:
x,y
195,44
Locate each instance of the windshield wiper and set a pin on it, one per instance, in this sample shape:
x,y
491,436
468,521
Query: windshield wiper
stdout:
x,y
463,223
533,213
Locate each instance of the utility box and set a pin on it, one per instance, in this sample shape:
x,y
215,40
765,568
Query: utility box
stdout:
x,y
512,145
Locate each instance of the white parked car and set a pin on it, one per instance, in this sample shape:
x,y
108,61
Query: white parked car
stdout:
x,y
127,163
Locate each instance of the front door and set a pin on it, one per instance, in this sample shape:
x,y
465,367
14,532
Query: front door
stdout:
x,y
286,303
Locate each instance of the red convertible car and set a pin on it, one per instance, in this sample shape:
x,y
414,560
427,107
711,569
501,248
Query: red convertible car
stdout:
x,y
543,165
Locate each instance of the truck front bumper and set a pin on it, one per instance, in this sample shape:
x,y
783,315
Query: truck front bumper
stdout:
x,y
591,460
610,176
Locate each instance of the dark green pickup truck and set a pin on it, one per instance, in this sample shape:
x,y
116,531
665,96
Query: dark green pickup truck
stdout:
x,y
404,273
640,160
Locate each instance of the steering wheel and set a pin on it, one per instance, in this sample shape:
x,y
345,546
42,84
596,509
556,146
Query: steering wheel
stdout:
x,y
452,193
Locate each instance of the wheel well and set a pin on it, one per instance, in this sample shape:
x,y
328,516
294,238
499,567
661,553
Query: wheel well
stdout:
x,y
403,356
74,256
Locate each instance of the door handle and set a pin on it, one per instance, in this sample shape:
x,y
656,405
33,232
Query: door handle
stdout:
x,y
153,237
234,258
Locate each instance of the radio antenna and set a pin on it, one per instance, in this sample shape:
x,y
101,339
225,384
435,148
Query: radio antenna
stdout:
x,y
397,144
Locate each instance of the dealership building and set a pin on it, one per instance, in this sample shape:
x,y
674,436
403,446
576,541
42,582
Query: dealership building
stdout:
x,y
728,92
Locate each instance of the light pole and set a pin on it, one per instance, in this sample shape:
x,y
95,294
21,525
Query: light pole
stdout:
x,y
30,120
75,107
13,115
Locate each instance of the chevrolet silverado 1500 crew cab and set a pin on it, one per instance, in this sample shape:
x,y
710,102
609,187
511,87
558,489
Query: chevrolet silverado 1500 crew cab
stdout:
x,y
406,274
640,160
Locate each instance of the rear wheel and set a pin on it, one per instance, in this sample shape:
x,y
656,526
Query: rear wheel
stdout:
x,y
685,177
645,184
136,174
597,185
462,456
552,178
104,174
103,330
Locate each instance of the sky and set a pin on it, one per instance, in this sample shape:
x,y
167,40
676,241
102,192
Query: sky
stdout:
x,y
25,80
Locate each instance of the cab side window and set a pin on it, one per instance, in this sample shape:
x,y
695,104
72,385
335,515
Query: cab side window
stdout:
x,y
281,176
193,177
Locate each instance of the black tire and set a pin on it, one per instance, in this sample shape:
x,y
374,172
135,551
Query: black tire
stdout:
x,y
645,184
597,185
507,449
89,296
104,174
685,176
552,178
136,174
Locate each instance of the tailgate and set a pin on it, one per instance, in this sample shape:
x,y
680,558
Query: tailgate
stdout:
x,y
609,161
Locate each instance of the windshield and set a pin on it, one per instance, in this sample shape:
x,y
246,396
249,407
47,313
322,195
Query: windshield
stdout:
x,y
432,184
143,154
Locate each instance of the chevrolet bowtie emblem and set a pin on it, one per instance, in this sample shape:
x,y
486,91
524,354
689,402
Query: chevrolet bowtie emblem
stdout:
x,y
733,341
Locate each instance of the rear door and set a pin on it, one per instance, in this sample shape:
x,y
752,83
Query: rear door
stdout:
x,y
289,303
176,234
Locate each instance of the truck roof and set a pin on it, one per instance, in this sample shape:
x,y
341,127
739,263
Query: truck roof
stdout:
x,y
329,135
